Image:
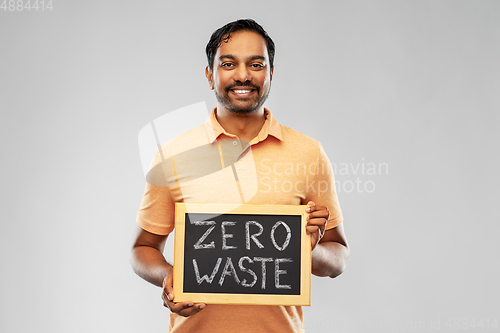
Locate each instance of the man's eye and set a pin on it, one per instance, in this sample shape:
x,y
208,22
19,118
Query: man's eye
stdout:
x,y
226,65
257,65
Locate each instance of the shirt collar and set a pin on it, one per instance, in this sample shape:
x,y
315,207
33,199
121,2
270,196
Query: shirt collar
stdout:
x,y
270,127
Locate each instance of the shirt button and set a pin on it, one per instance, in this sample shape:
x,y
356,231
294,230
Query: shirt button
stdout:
x,y
235,143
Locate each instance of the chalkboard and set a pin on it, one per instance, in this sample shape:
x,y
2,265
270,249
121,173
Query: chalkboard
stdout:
x,y
242,254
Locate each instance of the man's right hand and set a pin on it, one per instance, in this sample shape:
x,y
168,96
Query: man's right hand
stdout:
x,y
149,263
184,309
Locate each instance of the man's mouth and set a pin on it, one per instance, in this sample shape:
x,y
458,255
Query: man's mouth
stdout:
x,y
242,91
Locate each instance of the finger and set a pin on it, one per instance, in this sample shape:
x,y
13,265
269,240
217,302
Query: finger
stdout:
x,y
315,225
200,306
312,229
167,292
183,308
319,213
168,287
311,207
197,307
166,297
180,307
319,221
166,302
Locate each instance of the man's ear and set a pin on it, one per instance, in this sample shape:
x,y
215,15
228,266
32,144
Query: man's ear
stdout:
x,y
208,74
272,71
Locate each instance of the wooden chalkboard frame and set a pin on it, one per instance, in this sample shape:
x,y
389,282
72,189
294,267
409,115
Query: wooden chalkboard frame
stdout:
x,y
304,298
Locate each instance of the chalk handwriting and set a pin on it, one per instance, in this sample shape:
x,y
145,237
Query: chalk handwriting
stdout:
x,y
198,245
205,277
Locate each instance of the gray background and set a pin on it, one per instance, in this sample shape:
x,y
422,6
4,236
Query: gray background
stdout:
x,y
413,85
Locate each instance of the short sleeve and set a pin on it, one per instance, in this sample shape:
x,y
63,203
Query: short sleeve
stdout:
x,y
324,192
157,211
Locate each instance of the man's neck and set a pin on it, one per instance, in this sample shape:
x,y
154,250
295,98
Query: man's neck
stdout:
x,y
245,126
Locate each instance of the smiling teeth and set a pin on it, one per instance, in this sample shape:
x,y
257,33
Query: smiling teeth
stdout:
x,y
241,91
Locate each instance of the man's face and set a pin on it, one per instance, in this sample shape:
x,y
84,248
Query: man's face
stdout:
x,y
241,76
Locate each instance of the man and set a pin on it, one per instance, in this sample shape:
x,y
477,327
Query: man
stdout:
x,y
240,70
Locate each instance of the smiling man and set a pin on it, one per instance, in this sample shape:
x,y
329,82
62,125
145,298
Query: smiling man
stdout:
x,y
240,70
241,89
240,73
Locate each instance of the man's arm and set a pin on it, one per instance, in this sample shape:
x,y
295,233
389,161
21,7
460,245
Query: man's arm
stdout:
x,y
147,258
329,255
148,262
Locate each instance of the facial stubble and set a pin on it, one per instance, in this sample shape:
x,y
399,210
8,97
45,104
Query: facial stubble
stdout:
x,y
225,100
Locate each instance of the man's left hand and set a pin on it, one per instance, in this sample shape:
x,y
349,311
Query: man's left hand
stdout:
x,y
316,222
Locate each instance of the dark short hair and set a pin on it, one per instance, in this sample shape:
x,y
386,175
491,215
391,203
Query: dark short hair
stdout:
x,y
223,34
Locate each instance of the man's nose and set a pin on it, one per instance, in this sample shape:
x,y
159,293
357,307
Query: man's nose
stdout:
x,y
242,74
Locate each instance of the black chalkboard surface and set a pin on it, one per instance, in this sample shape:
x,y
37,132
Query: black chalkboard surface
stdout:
x,y
245,254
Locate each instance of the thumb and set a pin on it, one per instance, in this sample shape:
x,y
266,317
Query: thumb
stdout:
x,y
167,286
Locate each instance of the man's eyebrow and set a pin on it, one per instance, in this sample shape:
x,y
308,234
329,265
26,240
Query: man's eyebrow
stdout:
x,y
258,57
232,57
226,56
